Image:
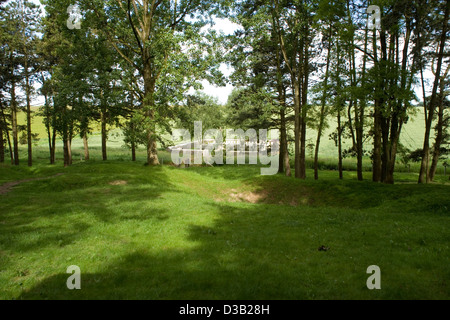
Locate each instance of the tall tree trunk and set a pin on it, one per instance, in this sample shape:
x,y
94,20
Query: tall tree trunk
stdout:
x,y
341,174
48,127
14,125
133,142
360,107
323,107
53,149
304,106
2,143
284,142
104,137
133,133
65,137
86,147
297,127
66,149
285,147
377,165
424,170
53,126
284,165
28,97
104,119
353,103
8,139
439,129
69,145
149,87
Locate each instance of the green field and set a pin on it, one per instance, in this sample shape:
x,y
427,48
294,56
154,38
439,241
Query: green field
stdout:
x,y
412,138
224,232
219,233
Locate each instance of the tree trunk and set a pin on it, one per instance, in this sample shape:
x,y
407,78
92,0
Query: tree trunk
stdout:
x,y
323,107
424,171
104,138
377,165
103,119
439,131
53,126
304,106
15,129
47,127
353,103
133,142
69,149
149,87
66,149
28,94
133,134
297,127
7,137
341,174
53,148
286,166
65,138
86,147
2,143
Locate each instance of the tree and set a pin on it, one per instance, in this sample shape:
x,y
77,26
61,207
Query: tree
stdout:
x,y
10,25
164,47
424,176
329,14
293,22
28,24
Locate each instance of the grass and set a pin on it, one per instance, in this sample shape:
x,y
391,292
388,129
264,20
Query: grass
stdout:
x,y
225,232
219,233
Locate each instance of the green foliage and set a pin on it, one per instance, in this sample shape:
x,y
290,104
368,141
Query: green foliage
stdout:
x,y
201,107
250,108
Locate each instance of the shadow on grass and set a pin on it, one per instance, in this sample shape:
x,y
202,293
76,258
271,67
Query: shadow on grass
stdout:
x,y
258,252
30,220
248,251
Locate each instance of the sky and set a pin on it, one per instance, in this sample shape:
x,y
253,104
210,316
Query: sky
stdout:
x,y
221,93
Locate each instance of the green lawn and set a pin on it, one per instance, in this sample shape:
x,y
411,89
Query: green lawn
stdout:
x,y
139,232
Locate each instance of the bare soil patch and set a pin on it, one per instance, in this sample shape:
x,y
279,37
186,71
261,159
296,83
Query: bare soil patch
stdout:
x,y
6,188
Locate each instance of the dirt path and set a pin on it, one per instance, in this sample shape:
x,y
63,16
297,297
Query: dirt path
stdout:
x,y
5,188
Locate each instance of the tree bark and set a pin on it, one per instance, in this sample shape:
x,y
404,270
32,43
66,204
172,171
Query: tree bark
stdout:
x,y
28,94
2,143
322,108
297,127
8,139
376,171
14,125
439,129
304,106
340,167
149,87
285,149
104,137
86,147
104,119
47,127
